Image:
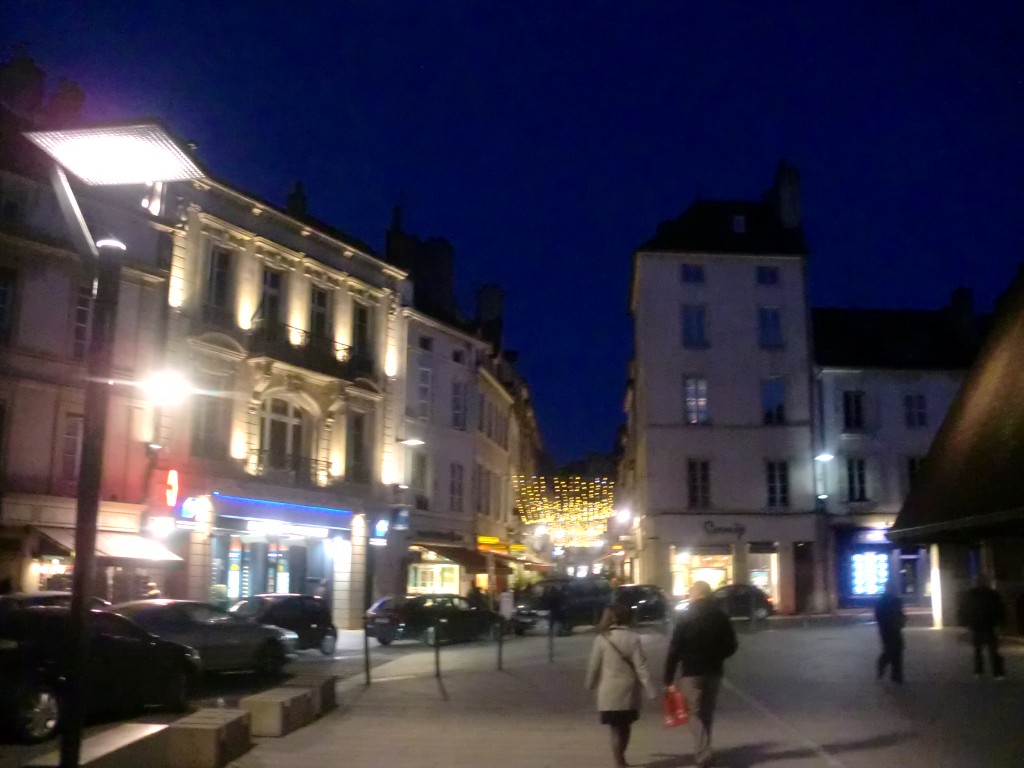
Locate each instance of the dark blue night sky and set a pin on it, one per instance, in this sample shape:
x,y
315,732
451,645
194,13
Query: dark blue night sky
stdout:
x,y
546,140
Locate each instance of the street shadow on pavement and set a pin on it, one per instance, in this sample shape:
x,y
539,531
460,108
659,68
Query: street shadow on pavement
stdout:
x,y
766,752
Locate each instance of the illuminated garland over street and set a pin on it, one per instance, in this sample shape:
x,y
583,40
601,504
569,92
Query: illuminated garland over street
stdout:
x,y
574,510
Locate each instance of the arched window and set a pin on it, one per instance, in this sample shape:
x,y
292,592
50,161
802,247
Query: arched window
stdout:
x,y
283,435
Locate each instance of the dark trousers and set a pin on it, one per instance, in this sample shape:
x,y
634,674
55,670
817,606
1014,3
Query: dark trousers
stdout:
x,y
987,639
892,655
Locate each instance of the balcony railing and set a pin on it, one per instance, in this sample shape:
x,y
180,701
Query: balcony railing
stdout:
x,y
301,348
288,469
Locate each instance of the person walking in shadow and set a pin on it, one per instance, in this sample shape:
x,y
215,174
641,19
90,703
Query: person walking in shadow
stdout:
x,y
618,672
983,614
701,642
890,618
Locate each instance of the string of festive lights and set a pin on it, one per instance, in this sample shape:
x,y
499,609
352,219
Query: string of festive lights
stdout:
x,y
573,510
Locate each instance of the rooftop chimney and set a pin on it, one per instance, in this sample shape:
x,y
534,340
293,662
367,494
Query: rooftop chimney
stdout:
x,y
296,203
490,306
787,195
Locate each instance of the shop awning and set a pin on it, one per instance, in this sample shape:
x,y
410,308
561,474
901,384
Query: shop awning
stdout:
x,y
115,545
470,559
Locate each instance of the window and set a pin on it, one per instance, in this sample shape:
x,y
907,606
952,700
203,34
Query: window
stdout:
x,y
694,335
475,487
773,401
777,477
360,329
282,434
320,313
739,224
455,488
767,275
856,480
692,273
6,304
418,480
459,404
209,433
915,411
482,403
82,319
218,284
769,327
695,395
357,461
698,484
71,446
426,343
458,356
424,386
271,296
853,411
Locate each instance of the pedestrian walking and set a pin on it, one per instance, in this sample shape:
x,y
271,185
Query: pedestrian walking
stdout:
x,y
983,614
618,672
701,642
890,618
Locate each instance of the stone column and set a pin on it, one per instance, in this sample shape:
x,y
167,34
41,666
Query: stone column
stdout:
x,y
787,578
199,566
349,576
950,577
740,563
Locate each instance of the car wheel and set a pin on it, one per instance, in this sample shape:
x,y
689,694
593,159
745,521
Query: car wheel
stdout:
x,y
176,691
37,714
269,659
385,635
520,630
328,644
429,636
761,614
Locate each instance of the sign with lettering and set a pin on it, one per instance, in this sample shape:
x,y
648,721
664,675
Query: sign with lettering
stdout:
x,y
725,529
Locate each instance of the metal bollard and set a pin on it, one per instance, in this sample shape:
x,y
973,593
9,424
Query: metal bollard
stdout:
x,y
366,655
437,648
551,638
501,643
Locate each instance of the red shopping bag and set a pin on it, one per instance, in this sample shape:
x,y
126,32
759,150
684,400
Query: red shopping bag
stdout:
x,y
674,708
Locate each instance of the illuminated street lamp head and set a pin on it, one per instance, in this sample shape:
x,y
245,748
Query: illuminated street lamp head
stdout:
x,y
412,441
623,516
118,154
166,388
824,457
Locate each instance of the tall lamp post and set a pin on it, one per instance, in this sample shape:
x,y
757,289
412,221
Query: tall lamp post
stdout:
x,y
106,155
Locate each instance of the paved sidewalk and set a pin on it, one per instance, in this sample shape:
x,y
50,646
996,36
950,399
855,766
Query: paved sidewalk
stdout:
x,y
794,699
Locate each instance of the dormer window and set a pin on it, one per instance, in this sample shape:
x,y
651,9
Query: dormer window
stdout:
x,y
739,224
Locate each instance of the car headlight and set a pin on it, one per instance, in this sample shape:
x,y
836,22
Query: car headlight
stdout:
x,y
682,606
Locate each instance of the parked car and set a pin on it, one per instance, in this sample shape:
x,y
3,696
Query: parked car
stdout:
x,y
564,602
307,616
414,617
738,601
53,597
225,642
128,668
647,602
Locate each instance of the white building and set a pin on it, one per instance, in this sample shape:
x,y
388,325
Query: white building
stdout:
x,y
718,463
884,381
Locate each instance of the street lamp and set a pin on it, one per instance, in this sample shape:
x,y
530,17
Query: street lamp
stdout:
x,y
105,155
411,441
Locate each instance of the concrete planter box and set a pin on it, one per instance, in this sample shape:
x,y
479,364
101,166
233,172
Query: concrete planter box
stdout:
x,y
322,690
279,710
209,738
124,746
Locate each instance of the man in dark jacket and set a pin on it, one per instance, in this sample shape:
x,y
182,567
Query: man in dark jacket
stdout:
x,y
983,612
703,639
890,618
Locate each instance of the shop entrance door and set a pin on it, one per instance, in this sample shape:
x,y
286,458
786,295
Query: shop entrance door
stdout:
x,y
803,574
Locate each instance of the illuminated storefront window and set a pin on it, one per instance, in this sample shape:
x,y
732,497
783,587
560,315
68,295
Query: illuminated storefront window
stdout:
x,y
869,572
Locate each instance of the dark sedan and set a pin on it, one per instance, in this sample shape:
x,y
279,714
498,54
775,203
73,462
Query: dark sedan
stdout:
x,y
647,603
429,618
225,642
128,668
307,616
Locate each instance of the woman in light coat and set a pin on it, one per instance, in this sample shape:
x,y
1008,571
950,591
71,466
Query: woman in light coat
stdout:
x,y
618,671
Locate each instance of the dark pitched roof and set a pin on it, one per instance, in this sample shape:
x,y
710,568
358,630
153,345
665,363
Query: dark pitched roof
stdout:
x,y
906,339
972,476
707,227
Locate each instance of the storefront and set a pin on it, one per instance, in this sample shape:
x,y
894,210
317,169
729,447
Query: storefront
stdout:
x,y
866,561
776,553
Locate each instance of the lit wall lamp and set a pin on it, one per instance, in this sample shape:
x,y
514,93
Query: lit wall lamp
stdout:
x,y
411,441
824,457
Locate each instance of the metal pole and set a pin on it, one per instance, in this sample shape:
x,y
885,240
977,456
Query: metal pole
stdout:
x,y
551,637
437,649
90,479
501,642
366,653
